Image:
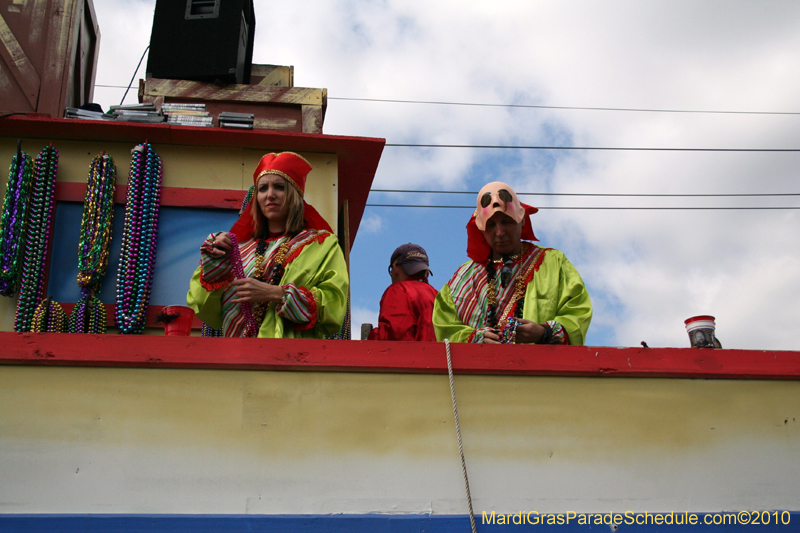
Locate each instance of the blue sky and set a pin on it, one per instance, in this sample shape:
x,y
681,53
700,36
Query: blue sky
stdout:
x,y
647,270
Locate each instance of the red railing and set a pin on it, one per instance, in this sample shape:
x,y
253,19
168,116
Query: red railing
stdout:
x,y
157,351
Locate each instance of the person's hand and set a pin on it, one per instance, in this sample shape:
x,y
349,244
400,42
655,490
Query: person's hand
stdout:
x,y
491,336
528,332
255,291
222,245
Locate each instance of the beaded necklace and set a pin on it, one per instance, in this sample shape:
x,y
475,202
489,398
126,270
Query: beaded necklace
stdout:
x,y
49,316
12,225
508,324
208,331
139,239
251,326
89,314
254,313
37,237
248,195
344,332
96,224
278,268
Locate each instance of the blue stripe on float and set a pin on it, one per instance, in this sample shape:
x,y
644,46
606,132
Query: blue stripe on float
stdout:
x,y
366,523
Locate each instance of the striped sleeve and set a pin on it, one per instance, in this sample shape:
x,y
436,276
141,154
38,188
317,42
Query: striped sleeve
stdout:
x,y
559,335
299,307
215,272
447,323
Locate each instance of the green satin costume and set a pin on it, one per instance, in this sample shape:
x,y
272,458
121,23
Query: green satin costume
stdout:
x,y
319,267
555,293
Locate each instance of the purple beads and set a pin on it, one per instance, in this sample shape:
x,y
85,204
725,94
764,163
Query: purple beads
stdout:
x,y
238,271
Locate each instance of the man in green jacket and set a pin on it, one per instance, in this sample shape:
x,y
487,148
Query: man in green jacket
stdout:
x,y
511,290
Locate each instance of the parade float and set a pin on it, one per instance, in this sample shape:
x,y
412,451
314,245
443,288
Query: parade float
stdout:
x,y
108,424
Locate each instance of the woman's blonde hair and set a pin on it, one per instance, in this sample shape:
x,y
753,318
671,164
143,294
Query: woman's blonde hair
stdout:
x,y
295,211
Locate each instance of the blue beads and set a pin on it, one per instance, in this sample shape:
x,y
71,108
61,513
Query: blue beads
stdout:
x,y
139,242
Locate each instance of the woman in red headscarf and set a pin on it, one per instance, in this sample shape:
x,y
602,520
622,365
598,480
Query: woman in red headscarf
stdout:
x,y
279,272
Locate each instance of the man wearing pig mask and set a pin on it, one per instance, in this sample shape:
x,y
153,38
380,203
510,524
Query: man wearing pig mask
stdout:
x,y
511,290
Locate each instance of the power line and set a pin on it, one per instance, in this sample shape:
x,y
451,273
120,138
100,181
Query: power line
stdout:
x,y
593,148
599,148
578,108
596,148
599,208
595,194
530,106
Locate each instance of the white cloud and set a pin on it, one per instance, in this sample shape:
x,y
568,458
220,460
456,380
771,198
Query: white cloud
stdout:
x,y
371,224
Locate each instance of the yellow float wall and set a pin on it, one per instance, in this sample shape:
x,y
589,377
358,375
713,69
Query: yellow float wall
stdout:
x,y
232,441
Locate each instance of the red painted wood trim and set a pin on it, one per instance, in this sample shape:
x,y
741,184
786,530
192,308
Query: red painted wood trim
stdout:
x,y
148,351
170,196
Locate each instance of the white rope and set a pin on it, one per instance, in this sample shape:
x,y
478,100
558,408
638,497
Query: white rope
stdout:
x,y
458,432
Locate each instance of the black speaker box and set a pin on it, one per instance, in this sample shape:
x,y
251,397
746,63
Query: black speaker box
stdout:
x,y
202,40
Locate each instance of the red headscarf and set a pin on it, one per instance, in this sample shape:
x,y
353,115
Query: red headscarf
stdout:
x,y
294,169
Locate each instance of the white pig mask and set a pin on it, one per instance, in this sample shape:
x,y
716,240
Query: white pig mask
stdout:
x,y
494,197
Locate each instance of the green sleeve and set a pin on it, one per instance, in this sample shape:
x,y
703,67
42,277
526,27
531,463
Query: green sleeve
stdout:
x,y
574,304
321,269
445,319
331,288
207,305
557,293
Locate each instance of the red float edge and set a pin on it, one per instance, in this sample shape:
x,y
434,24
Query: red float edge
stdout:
x,y
157,351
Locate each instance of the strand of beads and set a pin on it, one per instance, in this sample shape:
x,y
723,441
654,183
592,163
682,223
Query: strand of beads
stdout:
x,y
49,316
260,309
509,331
247,198
344,332
491,295
139,239
94,244
12,225
238,270
96,224
208,331
89,314
37,237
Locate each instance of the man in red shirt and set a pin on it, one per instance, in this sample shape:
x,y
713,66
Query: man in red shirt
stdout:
x,y
407,305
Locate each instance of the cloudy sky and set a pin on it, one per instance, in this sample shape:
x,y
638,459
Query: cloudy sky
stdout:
x,y
672,74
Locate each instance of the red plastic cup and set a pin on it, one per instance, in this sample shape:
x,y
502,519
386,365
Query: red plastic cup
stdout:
x,y
181,325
